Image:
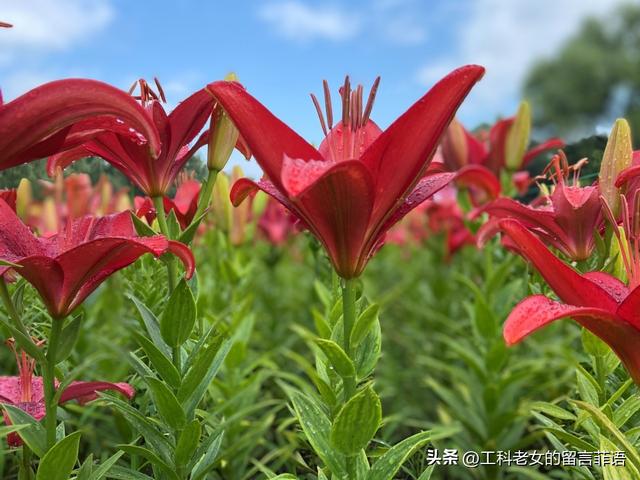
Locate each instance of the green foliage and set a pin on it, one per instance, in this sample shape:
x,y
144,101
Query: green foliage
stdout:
x,y
593,78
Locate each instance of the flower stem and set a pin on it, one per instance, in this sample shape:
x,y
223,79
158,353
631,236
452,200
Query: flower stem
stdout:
x,y
205,193
348,319
26,472
49,378
158,203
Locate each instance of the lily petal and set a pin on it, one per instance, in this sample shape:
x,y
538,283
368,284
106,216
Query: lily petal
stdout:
x,y
550,144
568,284
87,391
268,137
537,311
424,190
399,156
51,108
340,202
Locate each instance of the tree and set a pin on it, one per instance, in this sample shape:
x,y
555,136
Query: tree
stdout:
x,y
593,79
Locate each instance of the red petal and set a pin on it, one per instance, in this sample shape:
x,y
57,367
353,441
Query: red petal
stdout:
x,y
551,144
610,284
46,110
528,216
337,208
425,189
537,311
479,177
185,255
568,284
16,240
268,137
627,174
497,139
401,154
87,391
630,308
187,120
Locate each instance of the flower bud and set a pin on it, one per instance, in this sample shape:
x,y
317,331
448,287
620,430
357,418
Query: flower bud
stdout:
x,y
223,136
616,157
518,138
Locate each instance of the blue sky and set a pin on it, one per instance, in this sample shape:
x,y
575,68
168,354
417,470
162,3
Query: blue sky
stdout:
x,y
282,49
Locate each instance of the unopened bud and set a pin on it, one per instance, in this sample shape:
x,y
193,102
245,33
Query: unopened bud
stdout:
x,y
617,156
223,136
518,138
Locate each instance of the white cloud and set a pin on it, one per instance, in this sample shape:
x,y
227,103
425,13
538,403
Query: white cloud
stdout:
x,y
506,37
298,21
49,25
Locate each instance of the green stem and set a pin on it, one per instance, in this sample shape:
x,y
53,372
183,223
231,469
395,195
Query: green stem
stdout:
x,y
26,472
206,193
348,319
49,378
158,203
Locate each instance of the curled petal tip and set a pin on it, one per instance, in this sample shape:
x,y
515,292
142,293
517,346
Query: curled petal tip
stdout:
x,y
185,254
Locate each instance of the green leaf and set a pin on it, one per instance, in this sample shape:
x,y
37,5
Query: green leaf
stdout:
x,y
166,403
357,422
187,443
105,466
151,323
337,357
426,475
552,410
187,236
142,229
208,459
518,138
143,426
179,316
151,457
173,225
365,322
24,342
68,338
317,428
593,345
200,375
390,462
587,386
86,469
58,462
626,410
603,421
33,435
609,472
159,360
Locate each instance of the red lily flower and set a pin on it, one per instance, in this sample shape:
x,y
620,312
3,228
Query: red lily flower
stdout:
x,y
9,196
184,204
26,391
175,131
63,114
361,180
275,223
460,148
65,268
596,300
568,221
630,177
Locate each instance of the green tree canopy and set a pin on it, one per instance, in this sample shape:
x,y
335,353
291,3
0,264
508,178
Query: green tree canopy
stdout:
x,y
594,78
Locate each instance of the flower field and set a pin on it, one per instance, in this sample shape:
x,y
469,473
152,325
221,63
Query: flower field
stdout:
x,y
422,301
